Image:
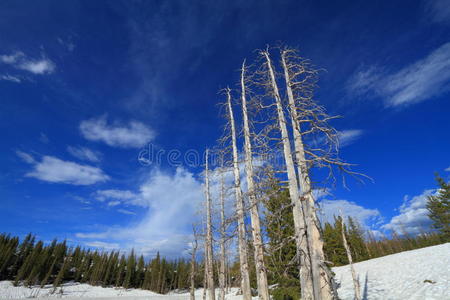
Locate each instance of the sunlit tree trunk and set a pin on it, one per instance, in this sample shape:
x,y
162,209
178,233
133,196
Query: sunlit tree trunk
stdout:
x,y
261,275
222,279
193,270
243,253
307,290
321,282
350,261
209,240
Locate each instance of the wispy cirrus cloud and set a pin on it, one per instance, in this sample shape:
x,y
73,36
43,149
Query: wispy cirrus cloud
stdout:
x,y
55,170
126,211
132,135
347,137
11,78
116,195
25,157
422,80
84,153
20,61
438,10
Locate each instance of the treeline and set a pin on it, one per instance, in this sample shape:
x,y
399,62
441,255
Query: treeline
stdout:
x,y
33,263
364,245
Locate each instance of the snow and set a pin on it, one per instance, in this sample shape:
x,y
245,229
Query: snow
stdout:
x,y
400,276
83,291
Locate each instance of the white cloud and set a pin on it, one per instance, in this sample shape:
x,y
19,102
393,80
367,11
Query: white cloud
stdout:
x,y
84,153
169,201
43,66
125,211
11,78
52,169
448,169
369,218
419,81
132,135
113,203
25,157
115,194
20,61
346,137
12,58
413,217
103,245
438,10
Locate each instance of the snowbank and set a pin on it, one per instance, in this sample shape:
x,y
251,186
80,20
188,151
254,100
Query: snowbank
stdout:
x,y
410,275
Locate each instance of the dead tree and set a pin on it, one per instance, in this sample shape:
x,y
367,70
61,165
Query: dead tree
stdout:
x,y
310,122
222,275
350,261
303,253
209,239
193,258
321,282
261,275
243,253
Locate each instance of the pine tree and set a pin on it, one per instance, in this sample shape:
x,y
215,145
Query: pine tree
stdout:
x,y
140,272
29,262
356,241
130,271
155,270
8,248
439,208
147,277
281,262
334,246
121,271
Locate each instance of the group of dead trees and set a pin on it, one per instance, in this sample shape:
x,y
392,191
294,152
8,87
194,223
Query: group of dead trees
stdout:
x,y
274,132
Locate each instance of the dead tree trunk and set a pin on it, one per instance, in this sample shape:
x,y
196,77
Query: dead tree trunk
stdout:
x,y
243,253
307,290
261,275
350,261
222,279
205,275
193,270
321,282
209,239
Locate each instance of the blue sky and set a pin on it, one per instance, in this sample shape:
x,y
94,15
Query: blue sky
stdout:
x,y
85,86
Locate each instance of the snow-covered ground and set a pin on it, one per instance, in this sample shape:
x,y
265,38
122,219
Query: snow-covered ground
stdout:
x,y
401,276
83,291
412,275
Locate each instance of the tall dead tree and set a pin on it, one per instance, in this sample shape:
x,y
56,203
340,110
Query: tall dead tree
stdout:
x,y
222,278
243,253
321,281
209,239
310,122
261,275
306,280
